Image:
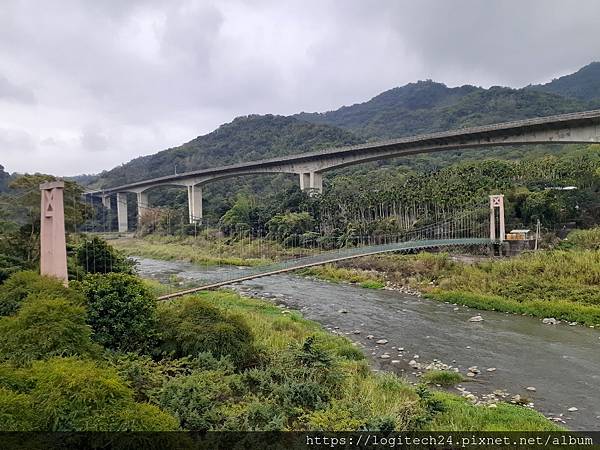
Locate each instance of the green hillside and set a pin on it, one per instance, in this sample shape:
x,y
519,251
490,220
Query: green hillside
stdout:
x,y
583,84
245,139
426,106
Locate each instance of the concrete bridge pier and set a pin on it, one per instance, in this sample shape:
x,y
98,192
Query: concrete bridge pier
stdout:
x,y
122,212
106,202
142,205
312,182
195,203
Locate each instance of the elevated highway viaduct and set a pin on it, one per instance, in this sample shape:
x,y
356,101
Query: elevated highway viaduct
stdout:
x,y
581,127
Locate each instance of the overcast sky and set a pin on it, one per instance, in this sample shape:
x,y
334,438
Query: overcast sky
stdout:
x,y
89,84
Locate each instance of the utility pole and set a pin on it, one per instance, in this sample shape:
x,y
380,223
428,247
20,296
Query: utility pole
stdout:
x,y
53,247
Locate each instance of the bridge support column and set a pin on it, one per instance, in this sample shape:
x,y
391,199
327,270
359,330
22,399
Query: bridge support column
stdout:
x,y
53,248
316,182
106,202
122,212
304,181
142,205
497,202
195,203
311,181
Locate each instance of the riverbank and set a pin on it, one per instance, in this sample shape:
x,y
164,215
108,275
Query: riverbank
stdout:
x,y
207,250
559,284
561,362
364,399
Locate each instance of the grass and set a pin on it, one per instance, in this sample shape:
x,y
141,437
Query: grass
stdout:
x,y
378,394
557,283
334,274
442,377
207,250
563,283
461,415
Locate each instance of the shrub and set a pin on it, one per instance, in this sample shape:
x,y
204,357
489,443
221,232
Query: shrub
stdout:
x,y
196,400
45,327
24,284
96,256
16,411
75,395
141,373
121,311
191,326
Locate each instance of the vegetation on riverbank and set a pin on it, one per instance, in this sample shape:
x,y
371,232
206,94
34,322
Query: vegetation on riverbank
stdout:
x,y
104,355
206,250
563,283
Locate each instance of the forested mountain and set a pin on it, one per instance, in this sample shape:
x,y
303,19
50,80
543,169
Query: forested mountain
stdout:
x,y
426,106
420,107
583,84
245,139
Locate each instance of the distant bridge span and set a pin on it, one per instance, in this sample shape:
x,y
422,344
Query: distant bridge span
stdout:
x,y
581,127
328,257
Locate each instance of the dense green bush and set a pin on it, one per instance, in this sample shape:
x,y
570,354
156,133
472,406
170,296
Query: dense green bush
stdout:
x,y
198,400
25,284
45,327
191,326
16,411
69,394
96,256
121,311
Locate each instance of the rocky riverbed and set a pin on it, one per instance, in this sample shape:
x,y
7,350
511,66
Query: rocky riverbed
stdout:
x,y
503,357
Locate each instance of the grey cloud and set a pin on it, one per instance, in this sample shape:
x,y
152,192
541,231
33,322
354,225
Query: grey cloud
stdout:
x,y
153,74
12,92
94,141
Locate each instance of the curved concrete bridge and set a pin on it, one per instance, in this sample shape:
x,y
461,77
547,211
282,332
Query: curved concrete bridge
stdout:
x,y
582,127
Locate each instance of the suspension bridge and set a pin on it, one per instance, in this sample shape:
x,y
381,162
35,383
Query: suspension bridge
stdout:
x,y
472,228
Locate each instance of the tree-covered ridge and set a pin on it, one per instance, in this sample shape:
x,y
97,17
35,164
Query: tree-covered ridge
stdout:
x,y
427,106
4,179
583,84
247,138
420,107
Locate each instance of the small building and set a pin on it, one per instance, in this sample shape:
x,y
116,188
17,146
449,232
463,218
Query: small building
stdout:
x,y
519,235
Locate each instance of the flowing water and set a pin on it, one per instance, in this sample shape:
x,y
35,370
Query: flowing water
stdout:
x,y
562,362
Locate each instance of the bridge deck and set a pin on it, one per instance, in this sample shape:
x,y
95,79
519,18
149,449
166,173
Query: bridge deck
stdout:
x,y
419,141
327,257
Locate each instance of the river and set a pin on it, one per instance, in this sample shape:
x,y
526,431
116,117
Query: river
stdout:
x,y
561,362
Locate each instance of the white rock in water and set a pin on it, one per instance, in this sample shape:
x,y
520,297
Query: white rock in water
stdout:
x,y
572,409
476,319
454,309
395,361
550,321
385,356
413,363
531,388
356,332
382,341
491,369
400,349
370,336
342,311
470,374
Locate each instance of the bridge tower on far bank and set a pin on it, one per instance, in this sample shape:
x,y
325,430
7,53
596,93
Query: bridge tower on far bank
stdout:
x,y
497,203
